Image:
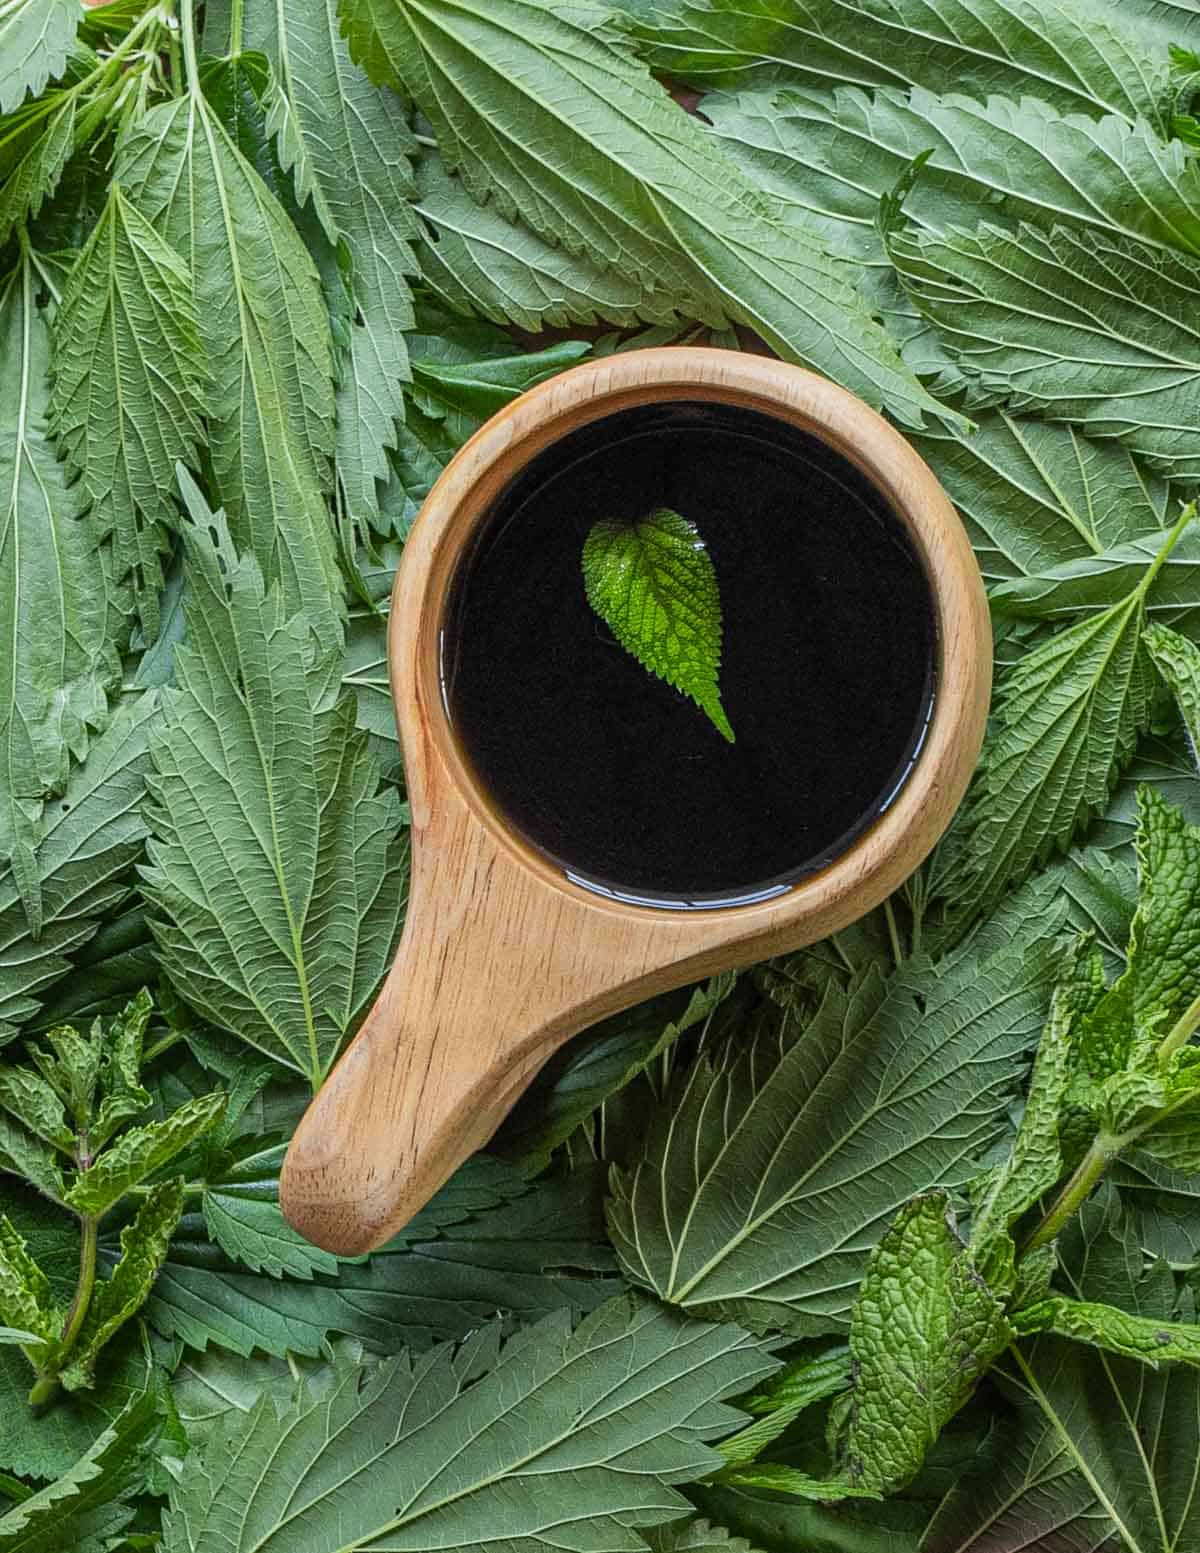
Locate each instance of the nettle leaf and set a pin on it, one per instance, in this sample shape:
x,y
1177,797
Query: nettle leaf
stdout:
x,y
34,147
460,1449
653,584
1102,1451
264,329
35,42
1113,1330
556,121
1046,48
1078,326
449,1273
129,387
144,1244
695,1536
778,1162
924,1329
278,869
243,1217
57,663
832,157
141,1151
348,146
1065,721
478,262
87,1506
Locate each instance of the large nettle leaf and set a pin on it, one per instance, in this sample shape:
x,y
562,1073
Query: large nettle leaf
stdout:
x,y
278,868
548,114
1080,327
35,143
129,387
833,156
265,334
779,1160
1066,720
1102,1453
1046,48
347,145
1036,495
35,41
56,662
556,1437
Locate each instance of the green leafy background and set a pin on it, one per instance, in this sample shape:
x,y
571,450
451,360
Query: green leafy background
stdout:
x,y
265,266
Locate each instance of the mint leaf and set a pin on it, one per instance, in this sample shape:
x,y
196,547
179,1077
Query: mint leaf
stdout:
x,y
1113,1330
29,1157
139,1152
775,1164
924,1329
129,387
780,1402
645,1389
25,1297
653,584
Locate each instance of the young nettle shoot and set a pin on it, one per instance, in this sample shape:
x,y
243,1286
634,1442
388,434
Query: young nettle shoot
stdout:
x,y
654,585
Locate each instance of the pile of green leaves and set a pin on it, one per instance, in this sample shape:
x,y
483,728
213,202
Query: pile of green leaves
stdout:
x,y
890,1244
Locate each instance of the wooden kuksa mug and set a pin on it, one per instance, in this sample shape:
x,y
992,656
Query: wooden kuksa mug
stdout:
x,y
503,958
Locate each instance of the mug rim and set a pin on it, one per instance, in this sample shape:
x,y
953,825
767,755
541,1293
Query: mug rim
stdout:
x,y
882,855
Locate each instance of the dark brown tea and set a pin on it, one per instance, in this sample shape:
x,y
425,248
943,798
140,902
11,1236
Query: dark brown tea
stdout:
x,y
827,671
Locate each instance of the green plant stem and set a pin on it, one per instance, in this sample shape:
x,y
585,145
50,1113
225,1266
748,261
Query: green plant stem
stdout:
x,y
173,50
187,25
45,1388
235,27
172,1038
1181,1031
1077,1190
893,934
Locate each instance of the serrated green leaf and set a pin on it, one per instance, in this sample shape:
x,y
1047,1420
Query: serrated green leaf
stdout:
x,y
1045,48
32,158
23,1155
122,1095
129,387
924,1329
243,1217
1078,326
653,584
86,844
278,871
86,1506
348,146
25,1297
264,330
35,41
642,1385
571,136
449,1273
70,1063
122,1294
1065,721
32,1101
777,1163
1112,1330
777,1406
478,262
694,1536
57,663
139,1152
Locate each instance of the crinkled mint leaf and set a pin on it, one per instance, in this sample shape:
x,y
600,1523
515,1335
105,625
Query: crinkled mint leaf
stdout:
x,y
653,584
1113,1330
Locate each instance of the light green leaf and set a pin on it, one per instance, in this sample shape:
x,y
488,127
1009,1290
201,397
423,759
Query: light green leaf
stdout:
x,y
1065,721
139,1152
85,845
1156,23
831,158
129,387
549,114
35,41
462,1449
653,584
122,1095
478,262
695,1536
55,662
449,1273
798,1386
264,330
35,1105
1078,326
144,1245
32,158
25,1298
1178,661
23,1155
86,1507
278,871
1115,1331
1046,48
777,1163
348,144
924,1329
